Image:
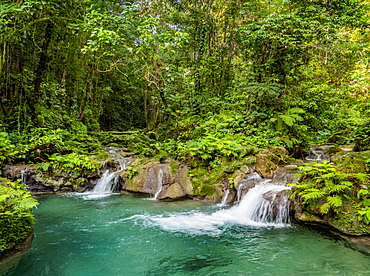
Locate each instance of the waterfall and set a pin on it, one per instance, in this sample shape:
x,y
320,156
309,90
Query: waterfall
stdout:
x,y
264,205
160,183
105,183
317,154
109,181
224,198
239,193
23,177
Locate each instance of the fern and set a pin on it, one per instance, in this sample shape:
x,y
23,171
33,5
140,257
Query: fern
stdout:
x,y
312,195
334,201
322,181
325,208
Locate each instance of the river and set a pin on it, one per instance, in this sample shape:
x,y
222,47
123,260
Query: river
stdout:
x,y
131,235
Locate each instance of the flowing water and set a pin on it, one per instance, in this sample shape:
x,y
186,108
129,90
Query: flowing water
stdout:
x,y
126,235
107,184
224,198
160,183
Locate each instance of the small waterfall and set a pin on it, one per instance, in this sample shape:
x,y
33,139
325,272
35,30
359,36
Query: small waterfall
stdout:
x,y
105,183
23,177
251,180
264,205
317,154
239,193
109,181
160,183
224,198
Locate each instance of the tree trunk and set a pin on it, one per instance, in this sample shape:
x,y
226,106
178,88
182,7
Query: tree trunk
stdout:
x,y
41,67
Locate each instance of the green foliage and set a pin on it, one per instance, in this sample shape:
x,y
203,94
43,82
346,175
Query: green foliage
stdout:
x,y
130,172
363,207
322,185
362,135
16,220
6,147
74,164
193,76
291,132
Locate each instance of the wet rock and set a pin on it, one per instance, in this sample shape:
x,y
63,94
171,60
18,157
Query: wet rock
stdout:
x,y
172,191
243,187
277,200
276,197
28,176
318,154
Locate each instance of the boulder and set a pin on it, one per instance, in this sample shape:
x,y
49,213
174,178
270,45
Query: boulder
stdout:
x,y
172,191
279,151
182,177
239,175
165,180
264,166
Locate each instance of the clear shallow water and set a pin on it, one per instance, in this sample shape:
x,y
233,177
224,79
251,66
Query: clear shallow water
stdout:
x,y
126,235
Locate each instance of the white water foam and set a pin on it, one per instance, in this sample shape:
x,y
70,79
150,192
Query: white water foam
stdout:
x,y
108,182
265,205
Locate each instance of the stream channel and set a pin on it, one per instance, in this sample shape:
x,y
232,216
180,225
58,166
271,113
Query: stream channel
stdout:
x,y
131,235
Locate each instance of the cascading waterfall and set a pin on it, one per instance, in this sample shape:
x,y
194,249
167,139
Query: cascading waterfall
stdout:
x,y
160,183
264,205
317,154
109,181
106,185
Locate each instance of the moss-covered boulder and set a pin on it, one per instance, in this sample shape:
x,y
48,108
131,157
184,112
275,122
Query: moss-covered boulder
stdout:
x,y
168,180
266,164
278,151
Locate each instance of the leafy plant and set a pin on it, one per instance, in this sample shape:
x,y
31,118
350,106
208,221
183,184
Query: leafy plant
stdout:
x,y
16,220
74,163
363,207
322,185
130,172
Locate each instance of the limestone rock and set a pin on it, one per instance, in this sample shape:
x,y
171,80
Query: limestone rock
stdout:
x,y
264,166
278,150
237,176
182,177
291,167
152,175
244,169
172,191
146,179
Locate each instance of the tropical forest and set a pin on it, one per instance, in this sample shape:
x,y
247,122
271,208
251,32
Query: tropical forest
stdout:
x,y
184,137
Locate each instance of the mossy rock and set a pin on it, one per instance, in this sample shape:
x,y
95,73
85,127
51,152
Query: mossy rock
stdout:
x,y
264,166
